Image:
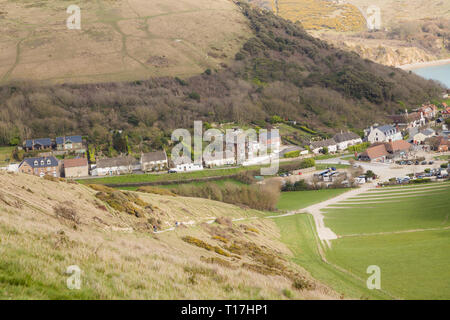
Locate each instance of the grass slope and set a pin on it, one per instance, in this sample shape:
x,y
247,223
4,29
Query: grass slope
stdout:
x,y
121,259
118,41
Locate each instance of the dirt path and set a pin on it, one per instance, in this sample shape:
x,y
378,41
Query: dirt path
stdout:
x,y
326,234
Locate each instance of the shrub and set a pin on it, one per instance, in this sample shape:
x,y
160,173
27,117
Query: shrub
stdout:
x,y
245,177
260,197
219,238
359,147
287,293
202,244
101,188
302,284
248,228
224,221
156,190
194,96
292,154
424,180
300,185
65,211
219,261
51,178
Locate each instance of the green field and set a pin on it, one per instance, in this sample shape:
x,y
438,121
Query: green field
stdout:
x,y
5,155
409,239
297,200
143,178
413,265
298,233
196,183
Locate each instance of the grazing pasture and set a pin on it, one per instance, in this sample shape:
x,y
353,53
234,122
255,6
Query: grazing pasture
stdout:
x,y
406,232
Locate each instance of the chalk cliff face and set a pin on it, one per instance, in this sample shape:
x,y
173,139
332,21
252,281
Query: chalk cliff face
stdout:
x,y
389,55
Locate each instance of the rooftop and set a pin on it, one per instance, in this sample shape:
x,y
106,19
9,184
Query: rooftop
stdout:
x,y
73,163
154,156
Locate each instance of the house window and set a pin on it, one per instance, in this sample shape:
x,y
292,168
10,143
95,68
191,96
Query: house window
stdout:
x,y
36,162
49,162
42,162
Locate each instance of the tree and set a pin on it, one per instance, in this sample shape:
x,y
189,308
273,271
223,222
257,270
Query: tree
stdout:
x,y
370,174
119,142
325,150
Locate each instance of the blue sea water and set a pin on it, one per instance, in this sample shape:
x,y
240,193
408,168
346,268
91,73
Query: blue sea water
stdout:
x,y
439,73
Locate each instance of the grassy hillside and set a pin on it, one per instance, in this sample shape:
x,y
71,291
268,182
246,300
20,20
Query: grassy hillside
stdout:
x,y
118,41
47,226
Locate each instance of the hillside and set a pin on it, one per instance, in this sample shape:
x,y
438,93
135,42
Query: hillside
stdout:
x,y
119,40
395,11
280,70
412,30
47,226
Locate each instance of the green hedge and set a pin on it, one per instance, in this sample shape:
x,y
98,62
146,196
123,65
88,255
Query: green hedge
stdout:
x,y
292,154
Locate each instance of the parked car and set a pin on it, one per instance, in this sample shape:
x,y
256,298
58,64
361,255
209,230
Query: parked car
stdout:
x,y
431,162
417,163
424,163
409,163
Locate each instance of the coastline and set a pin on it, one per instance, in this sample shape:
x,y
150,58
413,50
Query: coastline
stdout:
x,y
419,65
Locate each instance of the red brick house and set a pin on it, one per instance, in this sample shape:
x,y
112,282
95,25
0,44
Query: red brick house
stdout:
x,y
41,166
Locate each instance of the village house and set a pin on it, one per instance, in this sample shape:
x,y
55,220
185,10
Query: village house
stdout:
x,y
154,161
70,143
446,112
227,157
273,141
383,133
37,144
408,120
40,166
420,137
380,152
76,168
429,111
438,143
398,149
116,166
318,146
376,153
346,139
187,167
